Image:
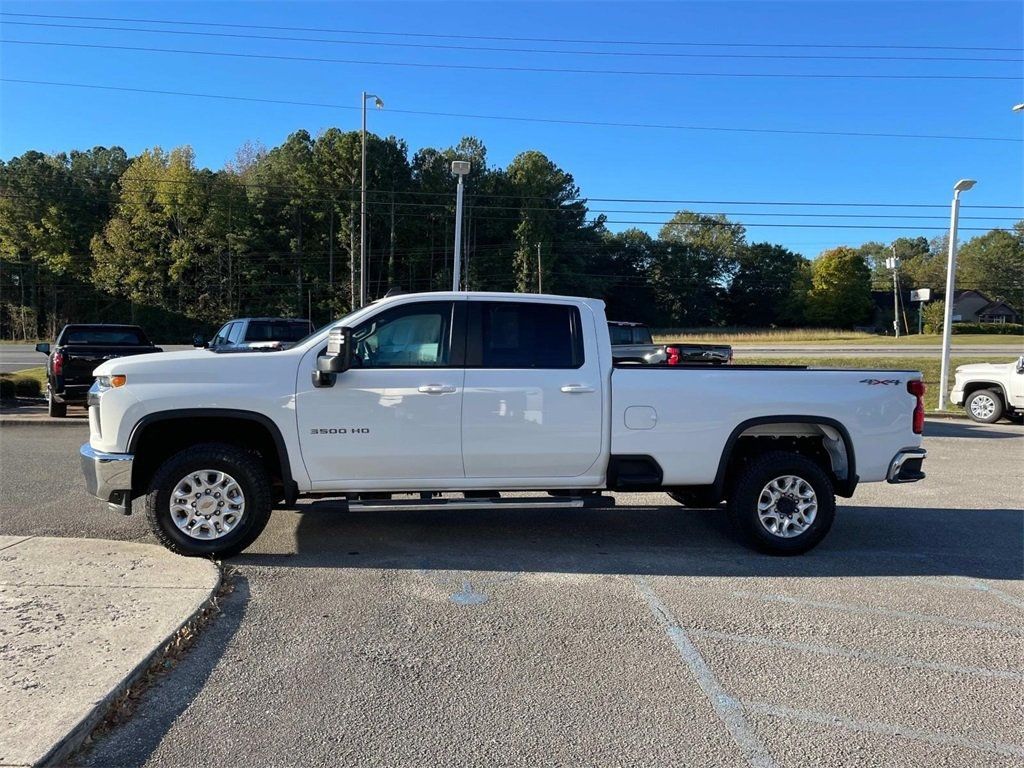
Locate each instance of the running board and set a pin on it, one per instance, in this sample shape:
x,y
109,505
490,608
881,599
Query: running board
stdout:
x,y
423,505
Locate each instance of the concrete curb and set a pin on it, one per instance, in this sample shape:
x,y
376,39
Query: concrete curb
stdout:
x,y
45,421
75,738
945,415
77,716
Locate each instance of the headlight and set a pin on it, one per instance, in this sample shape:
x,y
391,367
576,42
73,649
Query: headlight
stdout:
x,y
115,380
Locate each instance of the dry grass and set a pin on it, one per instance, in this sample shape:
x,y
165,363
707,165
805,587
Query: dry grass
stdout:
x,y
749,335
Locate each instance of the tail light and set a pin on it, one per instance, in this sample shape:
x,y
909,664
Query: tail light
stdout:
x,y
58,364
916,388
673,355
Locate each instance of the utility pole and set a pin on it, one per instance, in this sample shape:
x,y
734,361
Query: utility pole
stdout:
x,y
362,204
893,263
540,272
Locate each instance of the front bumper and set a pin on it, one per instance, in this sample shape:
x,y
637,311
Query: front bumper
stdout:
x,y
956,397
905,466
108,477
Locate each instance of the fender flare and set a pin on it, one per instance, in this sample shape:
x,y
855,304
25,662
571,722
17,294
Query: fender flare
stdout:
x,y
844,487
290,486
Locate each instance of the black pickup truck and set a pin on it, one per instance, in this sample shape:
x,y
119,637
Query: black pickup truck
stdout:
x,y
632,343
76,353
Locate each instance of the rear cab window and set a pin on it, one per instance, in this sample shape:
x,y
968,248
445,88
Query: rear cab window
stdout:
x,y
278,330
103,336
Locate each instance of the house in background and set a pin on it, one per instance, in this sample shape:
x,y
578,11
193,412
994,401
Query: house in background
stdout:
x,y
971,306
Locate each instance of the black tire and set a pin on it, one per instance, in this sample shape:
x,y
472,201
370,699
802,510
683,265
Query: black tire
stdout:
x,y
695,499
53,408
244,466
988,403
755,477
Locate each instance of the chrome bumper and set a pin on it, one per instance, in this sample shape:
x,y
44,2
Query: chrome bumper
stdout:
x,y
905,466
108,477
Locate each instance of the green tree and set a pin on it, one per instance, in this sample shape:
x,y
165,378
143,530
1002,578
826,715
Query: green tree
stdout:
x,y
762,285
993,263
840,295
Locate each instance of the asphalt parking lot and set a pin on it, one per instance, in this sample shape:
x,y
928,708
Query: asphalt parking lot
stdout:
x,y
636,635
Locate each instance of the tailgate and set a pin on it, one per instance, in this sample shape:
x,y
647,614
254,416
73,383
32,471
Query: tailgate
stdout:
x,y
80,362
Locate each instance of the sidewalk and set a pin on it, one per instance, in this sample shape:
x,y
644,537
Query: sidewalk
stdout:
x,y
80,620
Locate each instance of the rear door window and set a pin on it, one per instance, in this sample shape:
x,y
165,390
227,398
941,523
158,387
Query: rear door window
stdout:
x,y
525,335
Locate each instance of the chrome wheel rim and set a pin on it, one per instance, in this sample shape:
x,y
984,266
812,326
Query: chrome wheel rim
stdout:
x,y
787,506
207,504
983,406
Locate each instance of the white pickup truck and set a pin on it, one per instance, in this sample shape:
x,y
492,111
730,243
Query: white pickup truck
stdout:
x,y
990,391
475,395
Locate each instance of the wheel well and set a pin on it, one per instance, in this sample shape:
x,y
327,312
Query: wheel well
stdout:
x,y
154,443
824,444
971,387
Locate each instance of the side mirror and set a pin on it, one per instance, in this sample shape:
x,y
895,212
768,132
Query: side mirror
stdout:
x,y
43,347
198,340
339,352
338,358
1020,364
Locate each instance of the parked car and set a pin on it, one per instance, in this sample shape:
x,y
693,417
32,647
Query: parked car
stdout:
x,y
79,348
632,343
246,334
990,391
484,393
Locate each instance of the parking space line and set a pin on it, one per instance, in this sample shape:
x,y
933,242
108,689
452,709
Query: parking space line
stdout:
x,y
728,709
997,593
885,729
873,611
859,655
976,585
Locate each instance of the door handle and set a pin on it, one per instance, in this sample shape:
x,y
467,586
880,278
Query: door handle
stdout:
x,y
575,389
437,389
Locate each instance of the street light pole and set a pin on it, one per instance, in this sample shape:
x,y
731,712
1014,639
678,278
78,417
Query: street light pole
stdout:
x,y
947,324
460,168
362,201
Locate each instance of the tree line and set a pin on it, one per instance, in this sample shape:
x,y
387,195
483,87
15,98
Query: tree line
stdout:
x,y
97,235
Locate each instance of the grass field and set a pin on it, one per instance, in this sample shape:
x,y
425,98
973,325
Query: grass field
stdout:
x,y
810,337
929,367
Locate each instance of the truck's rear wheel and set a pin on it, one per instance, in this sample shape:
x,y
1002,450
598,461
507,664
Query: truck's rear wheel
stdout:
x,y
210,500
984,406
783,503
53,408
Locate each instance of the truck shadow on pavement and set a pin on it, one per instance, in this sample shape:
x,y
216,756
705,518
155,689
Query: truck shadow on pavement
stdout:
x,y
655,540
971,429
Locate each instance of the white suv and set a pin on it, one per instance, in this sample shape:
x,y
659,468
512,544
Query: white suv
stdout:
x,y
989,391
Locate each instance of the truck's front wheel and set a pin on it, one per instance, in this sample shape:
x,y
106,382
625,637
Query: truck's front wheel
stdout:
x,y
984,406
210,500
783,503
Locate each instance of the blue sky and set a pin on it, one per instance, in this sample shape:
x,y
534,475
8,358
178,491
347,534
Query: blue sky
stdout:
x,y
607,162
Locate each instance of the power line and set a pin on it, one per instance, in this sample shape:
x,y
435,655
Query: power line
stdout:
x,y
509,68
516,118
495,49
449,36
